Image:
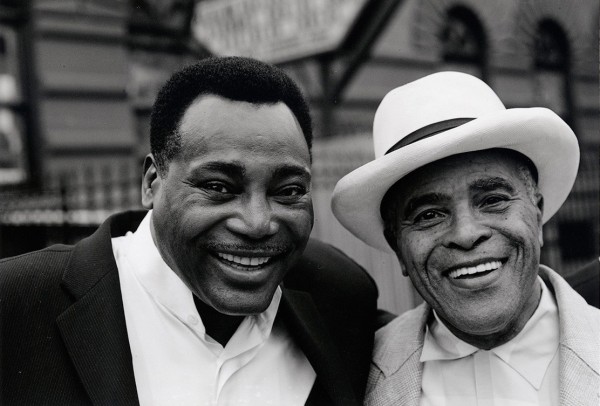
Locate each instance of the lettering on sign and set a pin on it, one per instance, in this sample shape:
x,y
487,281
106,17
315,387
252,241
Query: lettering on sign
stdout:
x,y
273,30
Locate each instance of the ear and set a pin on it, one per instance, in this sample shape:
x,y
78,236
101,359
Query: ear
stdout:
x,y
150,181
402,266
540,214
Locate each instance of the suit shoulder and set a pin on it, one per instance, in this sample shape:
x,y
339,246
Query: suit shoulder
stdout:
x,y
33,268
399,340
594,314
326,265
409,322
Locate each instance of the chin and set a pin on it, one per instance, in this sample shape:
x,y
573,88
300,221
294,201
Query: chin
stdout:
x,y
241,306
248,310
486,326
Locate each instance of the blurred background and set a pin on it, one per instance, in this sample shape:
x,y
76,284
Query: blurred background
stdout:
x,y
78,79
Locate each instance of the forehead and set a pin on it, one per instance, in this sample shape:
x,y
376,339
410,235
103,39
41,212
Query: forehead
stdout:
x,y
213,125
462,170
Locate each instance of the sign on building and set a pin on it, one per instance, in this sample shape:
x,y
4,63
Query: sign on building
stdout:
x,y
273,30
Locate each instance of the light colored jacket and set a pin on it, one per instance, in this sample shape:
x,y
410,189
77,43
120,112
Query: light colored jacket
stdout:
x,y
396,372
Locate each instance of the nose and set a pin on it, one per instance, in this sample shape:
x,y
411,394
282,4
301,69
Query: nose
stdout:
x,y
466,231
254,219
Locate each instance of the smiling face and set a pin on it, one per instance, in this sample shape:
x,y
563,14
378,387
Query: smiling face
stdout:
x,y
468,231
233,211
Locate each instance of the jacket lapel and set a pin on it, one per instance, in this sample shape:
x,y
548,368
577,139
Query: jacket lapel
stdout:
x,y
398,359
93,328
579,332
305,325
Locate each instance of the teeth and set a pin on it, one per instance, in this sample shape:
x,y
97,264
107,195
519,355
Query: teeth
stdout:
x,y
488,266
251,261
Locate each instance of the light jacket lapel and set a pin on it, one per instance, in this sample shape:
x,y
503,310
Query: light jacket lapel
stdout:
x,y
305,325
579,353
93,328
398,360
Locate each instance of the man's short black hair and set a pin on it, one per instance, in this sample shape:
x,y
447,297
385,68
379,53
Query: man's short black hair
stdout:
x,y
234,78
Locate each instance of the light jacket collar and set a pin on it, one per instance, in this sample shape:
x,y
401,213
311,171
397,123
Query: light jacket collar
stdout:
x,y
399,363
529,353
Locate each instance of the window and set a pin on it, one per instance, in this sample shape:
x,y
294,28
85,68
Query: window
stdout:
x,y
551,62
463,42
13,165
551,48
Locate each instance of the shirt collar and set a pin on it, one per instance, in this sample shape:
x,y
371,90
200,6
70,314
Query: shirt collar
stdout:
x,y
169,291
529,353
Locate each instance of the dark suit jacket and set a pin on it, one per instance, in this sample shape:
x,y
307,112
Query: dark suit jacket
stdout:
x,y
64,341
586,281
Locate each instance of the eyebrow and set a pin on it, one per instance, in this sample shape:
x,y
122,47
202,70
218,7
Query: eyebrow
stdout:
x,y
493,183
424,199
291,170
236,170
232,169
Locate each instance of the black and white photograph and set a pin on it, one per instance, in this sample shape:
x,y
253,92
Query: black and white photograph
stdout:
x,y
300,202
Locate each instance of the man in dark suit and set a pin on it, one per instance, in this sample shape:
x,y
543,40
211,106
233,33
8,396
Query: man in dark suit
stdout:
x,y
207,297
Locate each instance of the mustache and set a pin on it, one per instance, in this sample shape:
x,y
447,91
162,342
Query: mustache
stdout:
x,y
262,247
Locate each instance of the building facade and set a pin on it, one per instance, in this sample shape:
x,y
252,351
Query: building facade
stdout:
x,y
532,53
78,78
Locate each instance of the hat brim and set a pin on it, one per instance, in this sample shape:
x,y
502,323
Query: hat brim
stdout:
x,y
538,133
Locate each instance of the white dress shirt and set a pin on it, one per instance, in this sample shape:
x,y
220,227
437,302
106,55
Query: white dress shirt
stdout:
x,y
523,371
176,363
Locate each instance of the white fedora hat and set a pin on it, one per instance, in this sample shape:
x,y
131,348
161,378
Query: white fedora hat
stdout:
x,y
445,114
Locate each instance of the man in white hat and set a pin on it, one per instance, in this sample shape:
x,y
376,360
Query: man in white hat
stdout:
x,y
460,189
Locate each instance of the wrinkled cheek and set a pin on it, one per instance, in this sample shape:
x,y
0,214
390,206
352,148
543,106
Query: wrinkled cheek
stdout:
x,y
431,293
414,251
527,240
414,266
533,225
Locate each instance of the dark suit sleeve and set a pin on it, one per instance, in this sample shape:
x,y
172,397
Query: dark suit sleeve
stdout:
x,y
35,368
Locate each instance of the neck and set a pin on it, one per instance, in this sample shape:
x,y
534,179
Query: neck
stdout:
x,y
485,341
219,326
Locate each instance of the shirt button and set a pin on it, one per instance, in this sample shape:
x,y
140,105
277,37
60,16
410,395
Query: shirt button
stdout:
x,y
193,320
